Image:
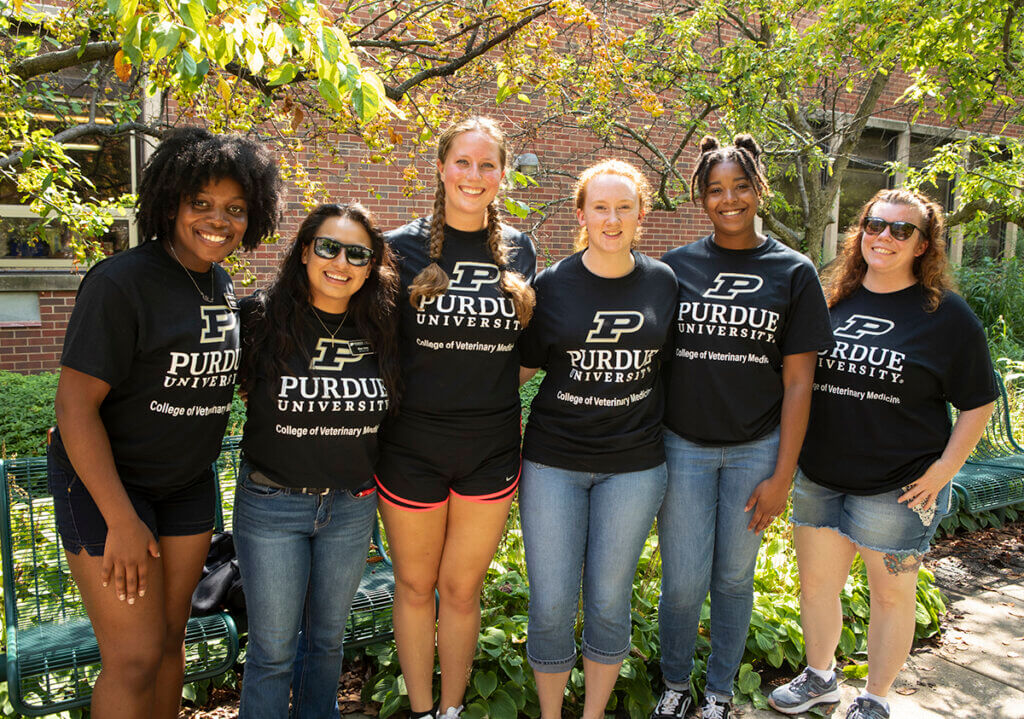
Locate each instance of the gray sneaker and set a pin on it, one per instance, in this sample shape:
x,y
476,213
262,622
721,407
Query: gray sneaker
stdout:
x,y
804,692
864,708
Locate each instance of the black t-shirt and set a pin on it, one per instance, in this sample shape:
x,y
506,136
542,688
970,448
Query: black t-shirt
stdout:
x,y
460,365
878,413
599,406
317,425
169,357
739,312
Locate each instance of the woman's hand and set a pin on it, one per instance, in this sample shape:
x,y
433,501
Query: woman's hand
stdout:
x,y
970,425
126,558
767,500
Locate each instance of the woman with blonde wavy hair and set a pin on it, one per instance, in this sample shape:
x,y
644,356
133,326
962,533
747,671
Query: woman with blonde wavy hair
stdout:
x,y
879,455
450,460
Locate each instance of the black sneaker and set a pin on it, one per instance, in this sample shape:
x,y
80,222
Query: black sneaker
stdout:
x,y
673,705
715,708
864,708
805,691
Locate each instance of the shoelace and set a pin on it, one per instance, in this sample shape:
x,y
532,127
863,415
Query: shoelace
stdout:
x,y
800,680
669,702
712,709
451,713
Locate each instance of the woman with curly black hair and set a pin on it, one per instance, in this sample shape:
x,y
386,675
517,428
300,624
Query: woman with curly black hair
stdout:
x,y
320,371
750,319
147,375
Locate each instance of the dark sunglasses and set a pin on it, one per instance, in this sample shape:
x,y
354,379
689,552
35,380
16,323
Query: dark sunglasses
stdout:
x,y
329,248
899,230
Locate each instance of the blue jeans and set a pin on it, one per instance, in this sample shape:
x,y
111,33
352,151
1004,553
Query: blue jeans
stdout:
x,y
705,544
589,528
301,558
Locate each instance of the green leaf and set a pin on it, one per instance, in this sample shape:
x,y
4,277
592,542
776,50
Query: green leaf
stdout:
x,y
504,93
485,683
193,14
856,671
186,65
748,680
283,74
847,641
392,704
475,710
166,37
123,10
516,208
502,706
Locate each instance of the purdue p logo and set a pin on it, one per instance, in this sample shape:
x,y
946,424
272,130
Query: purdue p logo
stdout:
x,y
858,326
218,320
471,276
610,325
729,284
331,355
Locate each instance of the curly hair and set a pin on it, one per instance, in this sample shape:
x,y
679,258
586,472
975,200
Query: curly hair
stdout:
x,y
432,280
611,167
931,268
275,335
186,161
744,151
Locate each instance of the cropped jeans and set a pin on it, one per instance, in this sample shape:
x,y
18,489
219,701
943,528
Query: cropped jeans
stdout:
x,y
583,528
705,545
301,558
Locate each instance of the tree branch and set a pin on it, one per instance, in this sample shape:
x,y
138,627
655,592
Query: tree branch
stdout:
x,y
60,59
90,128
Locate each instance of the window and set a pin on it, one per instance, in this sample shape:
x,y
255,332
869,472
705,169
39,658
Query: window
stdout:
x,y
866,174
28,241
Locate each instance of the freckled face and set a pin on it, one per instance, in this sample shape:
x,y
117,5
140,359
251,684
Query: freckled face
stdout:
x,y
333,282
471,173
730,200
209,226
886,255
611,214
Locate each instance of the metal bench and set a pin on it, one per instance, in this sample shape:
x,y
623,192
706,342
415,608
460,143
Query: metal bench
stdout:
x,y
993,475
52,658
369,620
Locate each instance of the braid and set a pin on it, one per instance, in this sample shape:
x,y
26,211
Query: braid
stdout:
x,y
513,284
432,279
744,151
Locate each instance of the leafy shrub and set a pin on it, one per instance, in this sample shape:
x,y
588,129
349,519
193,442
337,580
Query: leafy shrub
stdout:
x,y
502,684
995,291
27,401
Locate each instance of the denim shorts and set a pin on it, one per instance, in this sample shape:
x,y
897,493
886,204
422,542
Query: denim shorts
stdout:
x,y
872,521
180,513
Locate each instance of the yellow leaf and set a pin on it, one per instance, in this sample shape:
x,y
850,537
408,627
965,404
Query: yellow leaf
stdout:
x,y
224,89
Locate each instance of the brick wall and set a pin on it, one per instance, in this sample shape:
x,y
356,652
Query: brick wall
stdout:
x,y
33,347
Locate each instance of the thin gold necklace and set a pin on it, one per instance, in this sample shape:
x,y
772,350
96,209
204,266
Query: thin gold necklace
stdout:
x,y
202,294
336,329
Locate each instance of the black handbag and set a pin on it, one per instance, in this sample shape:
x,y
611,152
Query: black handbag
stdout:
x,y
221,585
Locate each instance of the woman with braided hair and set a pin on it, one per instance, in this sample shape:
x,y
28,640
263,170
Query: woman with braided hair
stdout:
x,y
750,320
449,461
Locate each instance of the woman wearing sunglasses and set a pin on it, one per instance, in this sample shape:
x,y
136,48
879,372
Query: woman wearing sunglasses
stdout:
x,y
880,453
450,460
320,372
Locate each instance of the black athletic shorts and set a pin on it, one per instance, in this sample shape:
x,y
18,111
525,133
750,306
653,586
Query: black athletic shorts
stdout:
x,y
423,463
179,513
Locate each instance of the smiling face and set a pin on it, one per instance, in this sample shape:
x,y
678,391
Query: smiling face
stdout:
x,y
209,226
611,214
471,172
730,201
333,282
889,259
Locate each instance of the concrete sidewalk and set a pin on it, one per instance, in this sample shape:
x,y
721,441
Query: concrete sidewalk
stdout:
x,y
978,671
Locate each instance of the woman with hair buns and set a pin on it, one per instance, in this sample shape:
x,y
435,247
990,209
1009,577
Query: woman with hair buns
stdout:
x,y
750,320
450,460
593,459
876,466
